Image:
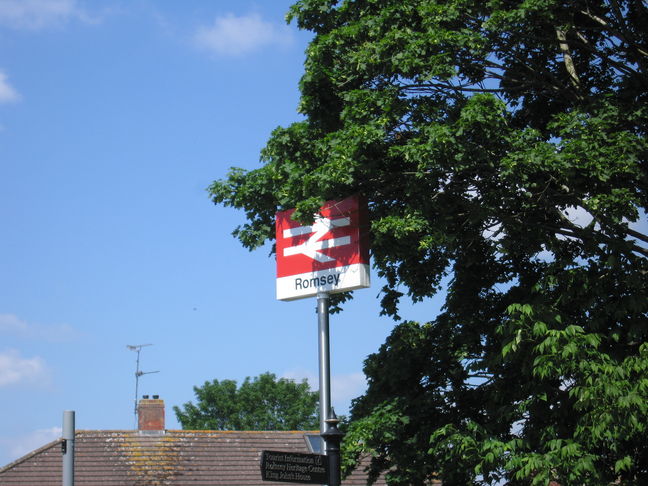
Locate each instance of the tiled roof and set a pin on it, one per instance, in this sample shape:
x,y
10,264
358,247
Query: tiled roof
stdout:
x,y
176,457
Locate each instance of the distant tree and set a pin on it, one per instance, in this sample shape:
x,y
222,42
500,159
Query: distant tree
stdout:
x,y
263,403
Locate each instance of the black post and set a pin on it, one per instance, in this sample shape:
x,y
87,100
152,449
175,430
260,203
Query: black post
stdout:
x,y
333,437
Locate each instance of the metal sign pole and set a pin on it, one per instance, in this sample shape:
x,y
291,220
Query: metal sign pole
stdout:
x,y
67,446
324,362
331,436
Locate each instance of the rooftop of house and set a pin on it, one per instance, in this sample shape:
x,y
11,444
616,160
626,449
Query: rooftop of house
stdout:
x,y
178,457
154,456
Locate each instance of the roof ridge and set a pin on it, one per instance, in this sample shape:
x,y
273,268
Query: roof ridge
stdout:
x,y
206,431
246,431
31,454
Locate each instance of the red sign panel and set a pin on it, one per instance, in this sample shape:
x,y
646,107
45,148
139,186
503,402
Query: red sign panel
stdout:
x,y
329,255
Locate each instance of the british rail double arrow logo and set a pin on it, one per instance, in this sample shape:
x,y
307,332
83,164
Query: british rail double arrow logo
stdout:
x,y
311,247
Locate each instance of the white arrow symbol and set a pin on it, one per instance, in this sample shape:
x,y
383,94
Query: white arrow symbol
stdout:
x,y
312,246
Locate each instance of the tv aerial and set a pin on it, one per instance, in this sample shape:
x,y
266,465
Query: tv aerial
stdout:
x,y
138,373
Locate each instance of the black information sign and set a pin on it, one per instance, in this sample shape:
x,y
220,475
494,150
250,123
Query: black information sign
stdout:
x,y
293,467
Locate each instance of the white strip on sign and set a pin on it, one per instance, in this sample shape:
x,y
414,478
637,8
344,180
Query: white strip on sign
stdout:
x,y
332,280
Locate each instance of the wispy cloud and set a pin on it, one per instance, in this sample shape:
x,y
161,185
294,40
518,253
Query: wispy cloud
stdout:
x,y
39,14
7,92
231,35
15,326
300,374
344,388
16,447
11,324
348,387
16,370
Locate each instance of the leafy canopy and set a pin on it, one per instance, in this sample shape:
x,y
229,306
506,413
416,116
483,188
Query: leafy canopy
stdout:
x,y
263,403
501,145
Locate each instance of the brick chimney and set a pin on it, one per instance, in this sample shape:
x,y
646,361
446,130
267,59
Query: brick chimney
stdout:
x,y
150,414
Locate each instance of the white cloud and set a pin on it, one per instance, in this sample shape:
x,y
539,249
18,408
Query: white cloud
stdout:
x,y
578,215
16,447
7,92
14,369
300,374
233,36
13,325
39,14
344,388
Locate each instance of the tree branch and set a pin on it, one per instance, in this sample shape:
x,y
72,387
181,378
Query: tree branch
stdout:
x,y
574,231
607,26
567,58
637,235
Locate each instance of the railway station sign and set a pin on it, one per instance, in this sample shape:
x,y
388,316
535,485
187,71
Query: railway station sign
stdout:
x,y
331,255
293,467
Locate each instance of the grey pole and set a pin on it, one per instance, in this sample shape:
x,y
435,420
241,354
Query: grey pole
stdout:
x,y
324,362
68,448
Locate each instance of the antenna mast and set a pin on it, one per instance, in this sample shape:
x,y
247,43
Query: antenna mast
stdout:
x,y
138,348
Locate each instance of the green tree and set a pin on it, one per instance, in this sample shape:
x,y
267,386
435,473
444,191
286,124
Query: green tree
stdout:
x,y
501,145
263,403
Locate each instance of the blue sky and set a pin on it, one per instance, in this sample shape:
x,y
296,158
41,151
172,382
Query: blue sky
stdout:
x,y
114,118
